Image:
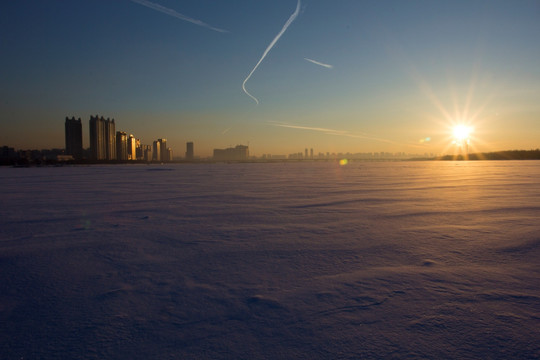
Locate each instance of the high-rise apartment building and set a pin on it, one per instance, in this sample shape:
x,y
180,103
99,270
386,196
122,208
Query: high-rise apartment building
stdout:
x,y
147,152
74,146
139,150
189,151
156,151
121,145
164,151
110,140
102,138
160,151
97,143
132,148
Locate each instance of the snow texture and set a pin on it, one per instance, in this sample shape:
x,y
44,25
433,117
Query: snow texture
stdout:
x,y
435,260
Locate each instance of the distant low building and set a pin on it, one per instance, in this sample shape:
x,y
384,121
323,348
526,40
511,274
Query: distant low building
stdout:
x,y
237,153
65,158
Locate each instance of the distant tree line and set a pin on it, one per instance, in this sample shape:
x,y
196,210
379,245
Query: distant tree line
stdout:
x,y
497,155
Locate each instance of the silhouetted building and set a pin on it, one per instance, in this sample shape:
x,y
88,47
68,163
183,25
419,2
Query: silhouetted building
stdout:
x,y
121,145
54,154
102,138
97,142
189,151
110,140
139,150
238,153
8,155
8,152
169,154
74,145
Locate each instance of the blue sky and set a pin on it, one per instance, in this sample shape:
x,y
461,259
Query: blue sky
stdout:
x,y
403,72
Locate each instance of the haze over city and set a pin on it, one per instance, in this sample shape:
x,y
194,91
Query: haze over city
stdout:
x,y
345,76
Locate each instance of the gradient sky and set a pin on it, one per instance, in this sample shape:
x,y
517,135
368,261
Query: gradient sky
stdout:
x,y
401,73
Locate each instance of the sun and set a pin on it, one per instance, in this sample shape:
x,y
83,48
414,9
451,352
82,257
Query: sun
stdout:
x,y
461,133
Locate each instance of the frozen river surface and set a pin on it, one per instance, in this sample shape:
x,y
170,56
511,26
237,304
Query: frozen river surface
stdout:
x,y
271,261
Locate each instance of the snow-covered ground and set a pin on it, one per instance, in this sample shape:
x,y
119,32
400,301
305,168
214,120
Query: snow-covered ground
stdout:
x,y
271,261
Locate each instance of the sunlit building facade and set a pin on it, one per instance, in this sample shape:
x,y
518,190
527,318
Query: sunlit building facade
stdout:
x,y
131,148
156,151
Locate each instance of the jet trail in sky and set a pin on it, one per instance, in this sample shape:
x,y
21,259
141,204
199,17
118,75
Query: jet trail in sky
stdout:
x,y
337,132
319,63
291,19
325,130
175,14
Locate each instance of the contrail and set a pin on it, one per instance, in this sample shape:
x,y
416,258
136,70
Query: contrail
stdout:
x,y
336,132
319,63
328,131
175,14
291,19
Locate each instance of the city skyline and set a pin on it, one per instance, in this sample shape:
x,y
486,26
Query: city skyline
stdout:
x,y
105,143
348,77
